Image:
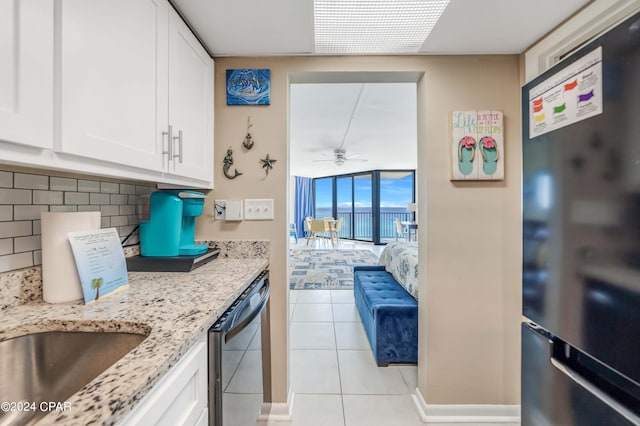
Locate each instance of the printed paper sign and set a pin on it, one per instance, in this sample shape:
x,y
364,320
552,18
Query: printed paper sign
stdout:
x,y
100,262
571,95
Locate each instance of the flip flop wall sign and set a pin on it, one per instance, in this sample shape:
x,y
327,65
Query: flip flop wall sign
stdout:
x,y
477,145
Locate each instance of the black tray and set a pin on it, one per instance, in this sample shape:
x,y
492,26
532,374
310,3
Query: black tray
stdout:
x,y
170,264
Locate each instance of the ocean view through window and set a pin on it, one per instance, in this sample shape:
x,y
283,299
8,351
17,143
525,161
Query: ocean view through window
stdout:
x,y
368,203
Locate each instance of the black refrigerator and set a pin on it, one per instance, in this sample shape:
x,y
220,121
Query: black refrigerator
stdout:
x,y
581,236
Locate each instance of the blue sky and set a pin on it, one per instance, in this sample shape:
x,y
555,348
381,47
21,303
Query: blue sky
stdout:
x,y
393,192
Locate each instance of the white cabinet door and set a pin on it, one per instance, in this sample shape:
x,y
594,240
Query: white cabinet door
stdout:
x,y
180,397
190,103
114,80
26,72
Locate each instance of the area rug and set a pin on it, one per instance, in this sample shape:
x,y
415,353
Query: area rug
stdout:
x,y
326,269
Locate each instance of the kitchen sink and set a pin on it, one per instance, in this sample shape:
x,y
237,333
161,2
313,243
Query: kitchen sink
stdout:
x,y
52,366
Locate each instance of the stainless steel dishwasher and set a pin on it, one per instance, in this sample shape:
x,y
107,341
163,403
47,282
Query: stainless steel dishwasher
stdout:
x,y
236,346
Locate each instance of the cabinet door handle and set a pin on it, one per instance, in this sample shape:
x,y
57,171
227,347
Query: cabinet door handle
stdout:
x,y
169,151
179,138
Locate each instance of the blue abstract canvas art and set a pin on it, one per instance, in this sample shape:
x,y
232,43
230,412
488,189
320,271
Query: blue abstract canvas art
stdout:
x,y
248,87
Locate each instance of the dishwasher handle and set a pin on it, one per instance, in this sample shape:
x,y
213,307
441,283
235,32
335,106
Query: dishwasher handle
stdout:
x,y
237,328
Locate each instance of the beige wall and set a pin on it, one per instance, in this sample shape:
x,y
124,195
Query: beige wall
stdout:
x,y
470,246
473,250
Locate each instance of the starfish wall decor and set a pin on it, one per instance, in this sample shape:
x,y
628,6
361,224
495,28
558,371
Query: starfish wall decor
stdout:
x,y
267,163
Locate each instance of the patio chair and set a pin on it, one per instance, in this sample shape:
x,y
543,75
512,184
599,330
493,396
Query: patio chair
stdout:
x,y
334,231
307,222
401,231
317,228
307,228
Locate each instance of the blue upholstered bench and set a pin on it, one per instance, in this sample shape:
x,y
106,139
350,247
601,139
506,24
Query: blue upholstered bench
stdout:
x,y
389,315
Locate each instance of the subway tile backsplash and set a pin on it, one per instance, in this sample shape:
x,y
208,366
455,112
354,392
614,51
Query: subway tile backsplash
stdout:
x,y
29,181
15,196
23,196
6,213
63,184
6,179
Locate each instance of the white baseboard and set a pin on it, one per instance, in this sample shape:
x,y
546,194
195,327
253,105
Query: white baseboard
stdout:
x,y
444,413
271,412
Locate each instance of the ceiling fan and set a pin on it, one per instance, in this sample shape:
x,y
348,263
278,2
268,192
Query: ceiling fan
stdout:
x,y
340,157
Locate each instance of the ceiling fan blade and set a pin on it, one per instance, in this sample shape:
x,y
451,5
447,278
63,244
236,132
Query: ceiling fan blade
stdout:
x,y
340,157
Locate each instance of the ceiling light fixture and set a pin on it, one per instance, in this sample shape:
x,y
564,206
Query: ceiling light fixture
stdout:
x,y
374,26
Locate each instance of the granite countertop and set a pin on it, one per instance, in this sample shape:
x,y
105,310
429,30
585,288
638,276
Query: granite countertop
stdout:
x,y
174,309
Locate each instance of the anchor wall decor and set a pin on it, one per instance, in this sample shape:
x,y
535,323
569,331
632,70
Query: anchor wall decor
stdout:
x,y
248,141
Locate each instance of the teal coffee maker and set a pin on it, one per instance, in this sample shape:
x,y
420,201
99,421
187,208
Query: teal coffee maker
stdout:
x,y
167,234
171,227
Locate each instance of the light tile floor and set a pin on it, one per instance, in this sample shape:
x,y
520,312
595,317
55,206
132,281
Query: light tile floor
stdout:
x,y
333,373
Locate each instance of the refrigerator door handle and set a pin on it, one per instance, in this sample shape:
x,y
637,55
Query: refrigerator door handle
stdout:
x,y
586,384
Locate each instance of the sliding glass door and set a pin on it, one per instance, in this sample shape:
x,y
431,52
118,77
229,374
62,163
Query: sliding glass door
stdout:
x,y
396,193
368,203
344,205
323,197
354,206
362,207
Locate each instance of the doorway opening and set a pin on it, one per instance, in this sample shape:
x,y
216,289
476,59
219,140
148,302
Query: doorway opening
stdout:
x,y
353,157
353,138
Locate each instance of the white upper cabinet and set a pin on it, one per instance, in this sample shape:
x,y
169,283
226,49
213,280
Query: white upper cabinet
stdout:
x,y
118,88
114,73
26,72
190,103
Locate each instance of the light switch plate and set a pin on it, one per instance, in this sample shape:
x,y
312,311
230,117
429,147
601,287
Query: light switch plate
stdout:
x,y
258,209
233,210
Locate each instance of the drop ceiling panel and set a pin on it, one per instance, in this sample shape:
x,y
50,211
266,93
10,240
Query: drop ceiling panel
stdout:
x,y
286,27
496,26
251,27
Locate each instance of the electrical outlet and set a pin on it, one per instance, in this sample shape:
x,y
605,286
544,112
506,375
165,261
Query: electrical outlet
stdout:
x,y
258,209
219,207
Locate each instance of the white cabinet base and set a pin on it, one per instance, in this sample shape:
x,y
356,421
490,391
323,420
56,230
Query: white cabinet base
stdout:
x,y
180,398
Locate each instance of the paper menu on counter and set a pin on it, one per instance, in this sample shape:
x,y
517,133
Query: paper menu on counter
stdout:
x,y
100,262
